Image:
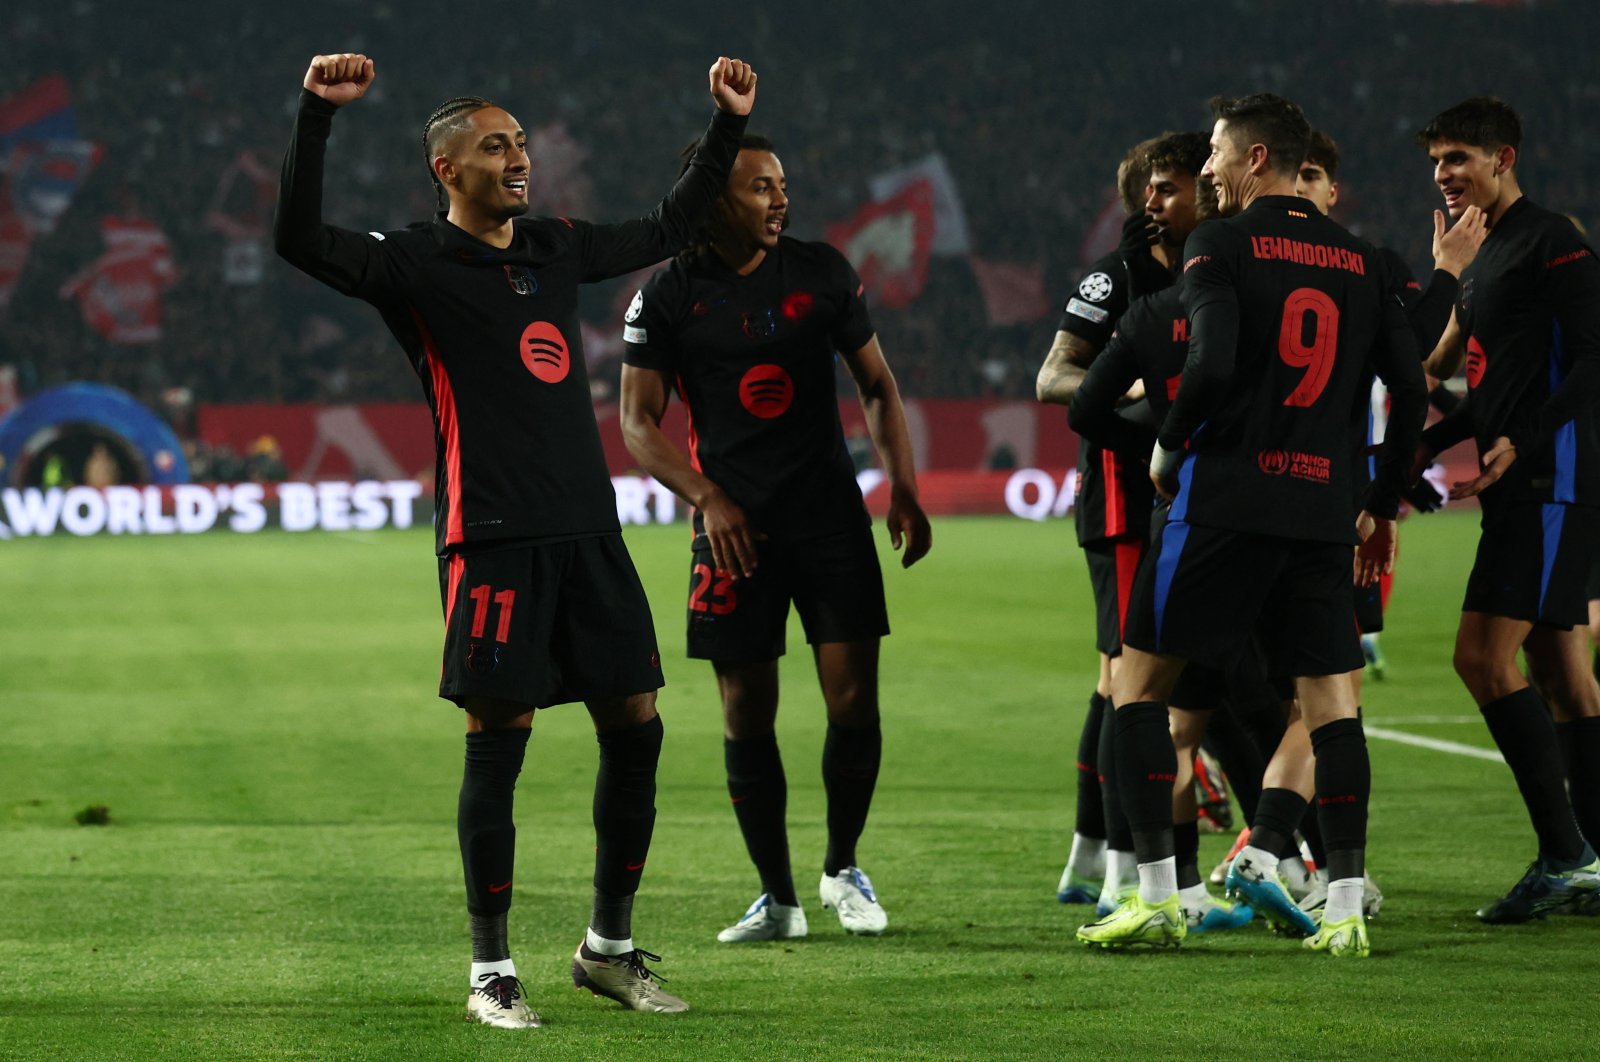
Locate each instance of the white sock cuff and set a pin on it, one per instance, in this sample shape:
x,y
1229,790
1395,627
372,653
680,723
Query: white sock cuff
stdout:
x,y
1158,880
484,972
600,944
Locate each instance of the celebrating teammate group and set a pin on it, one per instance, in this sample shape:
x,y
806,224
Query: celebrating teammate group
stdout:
x,y
1219,366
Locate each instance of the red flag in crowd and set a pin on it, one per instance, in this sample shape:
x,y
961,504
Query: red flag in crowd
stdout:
x,y
43,162
1013,292
888,242
120,292
241,210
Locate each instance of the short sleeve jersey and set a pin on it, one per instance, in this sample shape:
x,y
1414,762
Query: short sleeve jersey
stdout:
x,y
493,334
1316,313
752,358
1114,494
1529,309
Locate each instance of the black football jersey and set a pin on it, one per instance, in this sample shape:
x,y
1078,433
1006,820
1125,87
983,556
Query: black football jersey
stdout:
x,y
1114,492
493,334
1288,312
1529,311
752,357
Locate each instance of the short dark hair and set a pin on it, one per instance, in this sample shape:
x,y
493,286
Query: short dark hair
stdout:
x,y
1324,152
1133,174
446,119
1482,121
1186,152
1269,119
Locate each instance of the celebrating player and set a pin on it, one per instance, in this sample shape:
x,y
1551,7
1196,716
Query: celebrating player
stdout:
x,y
1112,509
1285,309
745,324
542,605
1527,324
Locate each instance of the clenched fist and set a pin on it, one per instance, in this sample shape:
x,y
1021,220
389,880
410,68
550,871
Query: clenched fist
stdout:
x,y
343,78
733,85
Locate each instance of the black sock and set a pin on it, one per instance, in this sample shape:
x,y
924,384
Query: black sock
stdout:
x,y
1311,830
1119,836
1241,760
850,759
1521,727
1186,846
1147,766
1277,817
1580,748
760,795
624,819
484,826
1344,787
1091,813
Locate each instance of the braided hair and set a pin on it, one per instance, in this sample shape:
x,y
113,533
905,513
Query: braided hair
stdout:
x,y
448,118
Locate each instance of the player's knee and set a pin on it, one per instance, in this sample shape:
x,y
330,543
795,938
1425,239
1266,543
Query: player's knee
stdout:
x,y
1486,677
852,703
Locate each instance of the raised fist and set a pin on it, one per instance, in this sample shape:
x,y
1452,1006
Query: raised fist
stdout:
x,y
341,78
733,85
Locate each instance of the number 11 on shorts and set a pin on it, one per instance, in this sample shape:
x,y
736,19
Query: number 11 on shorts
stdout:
x,y
481,596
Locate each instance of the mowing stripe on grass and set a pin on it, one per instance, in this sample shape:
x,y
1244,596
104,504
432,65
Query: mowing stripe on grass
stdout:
x,y
1435,744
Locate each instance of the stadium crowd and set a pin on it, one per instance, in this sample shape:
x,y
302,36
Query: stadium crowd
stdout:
x,y
1030,114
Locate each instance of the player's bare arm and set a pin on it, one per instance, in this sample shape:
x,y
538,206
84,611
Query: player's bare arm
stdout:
x,y
733,85
1455,248
1445,361
644,402
1496,463
1069,358
886,421
341,78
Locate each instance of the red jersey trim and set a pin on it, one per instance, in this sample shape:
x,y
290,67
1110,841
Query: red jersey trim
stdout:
x,y
458,568
1116,518
444,404
1128,555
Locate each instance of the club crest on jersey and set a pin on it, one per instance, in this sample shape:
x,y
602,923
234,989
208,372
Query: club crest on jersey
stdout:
x,y
1477,361
1273,462
482,658
522,282
1096,287
766,391
544,352
635,308
759,324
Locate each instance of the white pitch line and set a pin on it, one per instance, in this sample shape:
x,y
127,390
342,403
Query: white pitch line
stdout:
x,y
1401,737
1475,719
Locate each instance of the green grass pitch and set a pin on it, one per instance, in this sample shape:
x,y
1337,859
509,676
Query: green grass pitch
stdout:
x,y
280,877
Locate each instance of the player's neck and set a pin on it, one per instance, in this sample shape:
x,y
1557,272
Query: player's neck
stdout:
x,y
493,231
1269,183
1510,192
743,259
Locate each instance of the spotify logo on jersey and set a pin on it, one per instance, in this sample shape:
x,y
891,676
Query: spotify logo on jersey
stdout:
x,y
544,352
766,391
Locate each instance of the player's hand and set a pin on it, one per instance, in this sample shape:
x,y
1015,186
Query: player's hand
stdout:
x,y
1375,555
733,85
908,526
733,540
1139,234
1501,456
1454,250
1164,465
340,79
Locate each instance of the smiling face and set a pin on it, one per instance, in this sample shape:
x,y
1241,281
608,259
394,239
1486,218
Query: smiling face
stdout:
x,y
485,166
1228,168
754,208
1470,176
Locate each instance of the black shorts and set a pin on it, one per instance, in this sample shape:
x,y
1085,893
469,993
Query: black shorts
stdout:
x,y
546,624
834,581
1206,590
1113,563
1534,563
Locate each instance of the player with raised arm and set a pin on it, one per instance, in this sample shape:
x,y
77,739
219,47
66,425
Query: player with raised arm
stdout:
x,y
1112,507
744,325
1287,311
542,605
1527,325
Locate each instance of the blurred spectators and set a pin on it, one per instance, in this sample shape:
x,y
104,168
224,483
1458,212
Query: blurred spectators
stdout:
x,y
1031,112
